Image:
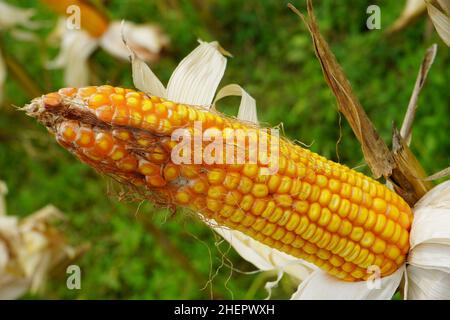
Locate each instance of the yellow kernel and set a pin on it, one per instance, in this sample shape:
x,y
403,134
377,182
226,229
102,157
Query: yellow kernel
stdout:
x,y
325,217
285,185
378,246
259,224
336,261
268,229
362,216
357,195
213,204
345,229
284,217
305,192
288,238
246,202
325,197
321,181
258,206
216,176
371,220
346,190
199,186
276,215
357,234
381,222
260,190
273,183
334,224
250,170
334,203
333,242
393,212
147,105
323,242
309,248
309,232
301,206
171,172
392,252
344,208
314,212
182,197
217,192
404,220
379,205
226,210
278,234
97,100
323,254
315,193
269,209
302,225
231,180
334,185
397,232
317,235
367,239
237,216
293,221
388,230
245,185
298,242
283,200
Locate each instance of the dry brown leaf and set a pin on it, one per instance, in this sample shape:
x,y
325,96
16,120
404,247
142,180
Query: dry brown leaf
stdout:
x,y
375,151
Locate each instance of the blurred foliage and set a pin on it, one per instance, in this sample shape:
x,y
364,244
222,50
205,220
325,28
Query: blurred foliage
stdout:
x,y
274,60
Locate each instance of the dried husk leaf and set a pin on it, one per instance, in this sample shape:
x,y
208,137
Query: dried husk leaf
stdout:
x,y
441,22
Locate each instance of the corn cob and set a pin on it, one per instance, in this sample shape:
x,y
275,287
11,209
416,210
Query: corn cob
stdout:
x,y
312,208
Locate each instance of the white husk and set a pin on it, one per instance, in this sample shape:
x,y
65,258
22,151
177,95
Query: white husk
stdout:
x,y
147,40
11,16
322,286
76,47
29,249
428,272
196,78
247,108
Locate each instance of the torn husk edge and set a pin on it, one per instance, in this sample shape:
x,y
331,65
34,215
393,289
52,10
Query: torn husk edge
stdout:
x,y
399,166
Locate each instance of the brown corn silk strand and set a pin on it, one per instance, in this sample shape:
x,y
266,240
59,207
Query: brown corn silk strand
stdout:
x,y
312,208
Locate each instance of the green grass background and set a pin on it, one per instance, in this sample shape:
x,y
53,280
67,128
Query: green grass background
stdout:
x,y
148,254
